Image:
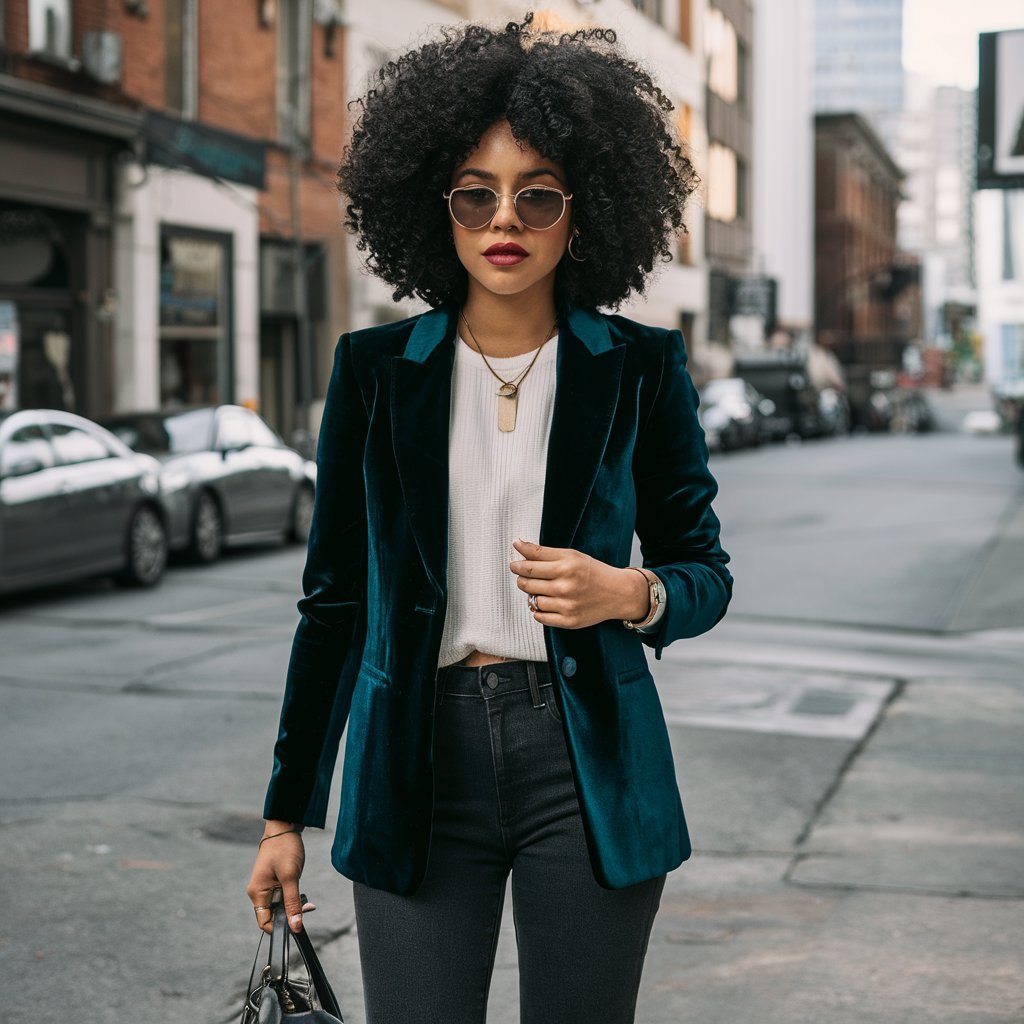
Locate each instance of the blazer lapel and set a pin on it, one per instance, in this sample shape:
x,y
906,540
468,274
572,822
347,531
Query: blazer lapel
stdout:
x,y
588,368
421,390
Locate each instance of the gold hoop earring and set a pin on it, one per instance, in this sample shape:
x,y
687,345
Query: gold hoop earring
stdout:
x,y
575,234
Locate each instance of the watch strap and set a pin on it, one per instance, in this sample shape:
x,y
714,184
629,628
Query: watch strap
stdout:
x,y
654,584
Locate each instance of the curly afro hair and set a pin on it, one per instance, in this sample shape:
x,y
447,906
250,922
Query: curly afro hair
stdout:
x,y
574,98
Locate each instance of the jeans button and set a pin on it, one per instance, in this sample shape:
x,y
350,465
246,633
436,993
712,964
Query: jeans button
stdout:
x,y
491,679
568,666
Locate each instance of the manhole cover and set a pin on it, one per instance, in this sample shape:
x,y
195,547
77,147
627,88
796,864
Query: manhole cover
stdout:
x,y
235,828
778,699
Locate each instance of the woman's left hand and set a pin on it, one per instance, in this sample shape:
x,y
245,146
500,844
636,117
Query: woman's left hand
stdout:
x,y
576,590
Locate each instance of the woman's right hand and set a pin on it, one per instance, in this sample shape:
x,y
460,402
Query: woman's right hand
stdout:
x,y
279,863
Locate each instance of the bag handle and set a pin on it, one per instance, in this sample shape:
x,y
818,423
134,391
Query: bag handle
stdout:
x,y
278,962
280,940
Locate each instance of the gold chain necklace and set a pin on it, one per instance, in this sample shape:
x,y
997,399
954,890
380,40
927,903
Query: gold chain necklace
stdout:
x,y
508,393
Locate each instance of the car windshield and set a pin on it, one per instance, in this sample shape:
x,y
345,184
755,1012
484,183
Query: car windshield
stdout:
x,y
173,434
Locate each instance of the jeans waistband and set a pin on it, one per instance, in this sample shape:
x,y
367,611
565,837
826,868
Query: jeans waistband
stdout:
x,y
491,680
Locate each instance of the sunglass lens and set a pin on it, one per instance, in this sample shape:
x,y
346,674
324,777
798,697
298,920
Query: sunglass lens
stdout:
x,y
474,207
539,207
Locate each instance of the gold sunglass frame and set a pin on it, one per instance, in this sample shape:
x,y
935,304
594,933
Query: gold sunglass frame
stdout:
x,y
498,196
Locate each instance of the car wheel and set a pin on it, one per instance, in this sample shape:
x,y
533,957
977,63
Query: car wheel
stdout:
x,y
207,540
146,549
302,516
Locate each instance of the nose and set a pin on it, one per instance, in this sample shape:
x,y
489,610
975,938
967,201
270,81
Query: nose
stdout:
x,y
506,216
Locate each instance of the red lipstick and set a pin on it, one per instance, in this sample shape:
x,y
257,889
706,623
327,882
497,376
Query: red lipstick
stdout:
x,y
505,254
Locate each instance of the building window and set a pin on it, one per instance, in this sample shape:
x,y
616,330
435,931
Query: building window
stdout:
x,y
684,126
181,55
49,28
687,321
684,248
741,189
294,44
652,8
742,72
722,183
1013,236
686,23
1012,344
721,50
195,305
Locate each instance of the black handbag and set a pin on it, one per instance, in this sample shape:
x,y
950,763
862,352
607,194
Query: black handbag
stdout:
x,y
288,985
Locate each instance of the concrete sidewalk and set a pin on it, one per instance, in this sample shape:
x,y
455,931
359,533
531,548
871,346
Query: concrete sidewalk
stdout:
x,y
886,889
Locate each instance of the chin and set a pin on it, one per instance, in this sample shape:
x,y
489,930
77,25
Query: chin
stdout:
x,y
502,282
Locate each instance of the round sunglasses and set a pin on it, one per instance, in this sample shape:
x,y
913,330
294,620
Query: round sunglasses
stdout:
x,y
537,206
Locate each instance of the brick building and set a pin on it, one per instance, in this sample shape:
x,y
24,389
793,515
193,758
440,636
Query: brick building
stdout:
x,y
864,311
168,227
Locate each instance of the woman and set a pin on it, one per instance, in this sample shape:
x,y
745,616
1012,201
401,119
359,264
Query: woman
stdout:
x,y
469,608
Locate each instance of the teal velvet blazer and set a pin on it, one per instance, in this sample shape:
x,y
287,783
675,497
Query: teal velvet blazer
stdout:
x,y
625,452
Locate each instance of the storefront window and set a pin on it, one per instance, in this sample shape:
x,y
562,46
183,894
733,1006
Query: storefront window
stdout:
x,y
36,349
195,354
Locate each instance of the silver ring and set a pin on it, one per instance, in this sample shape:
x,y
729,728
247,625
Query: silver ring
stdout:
x,y
532,602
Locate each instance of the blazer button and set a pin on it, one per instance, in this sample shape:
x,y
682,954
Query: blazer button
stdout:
x,y
568,666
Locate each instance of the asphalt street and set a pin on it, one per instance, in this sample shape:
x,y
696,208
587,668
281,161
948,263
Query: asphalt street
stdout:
x,y
848,743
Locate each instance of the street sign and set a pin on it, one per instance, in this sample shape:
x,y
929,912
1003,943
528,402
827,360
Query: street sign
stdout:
x,y
1000,149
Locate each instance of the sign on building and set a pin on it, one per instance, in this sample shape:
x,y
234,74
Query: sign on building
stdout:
x,y
1001,110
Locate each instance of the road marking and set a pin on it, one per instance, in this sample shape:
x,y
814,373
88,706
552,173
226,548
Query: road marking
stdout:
x,y
768,699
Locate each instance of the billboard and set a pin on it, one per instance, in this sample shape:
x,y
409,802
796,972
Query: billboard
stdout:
x,y
1001,109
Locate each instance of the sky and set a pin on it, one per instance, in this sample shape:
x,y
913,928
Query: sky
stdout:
x,y
940,37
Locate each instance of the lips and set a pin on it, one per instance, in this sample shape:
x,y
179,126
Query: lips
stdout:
x,y
506,249
505,254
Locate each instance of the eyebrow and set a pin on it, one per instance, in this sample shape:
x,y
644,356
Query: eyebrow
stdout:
x,y
479,173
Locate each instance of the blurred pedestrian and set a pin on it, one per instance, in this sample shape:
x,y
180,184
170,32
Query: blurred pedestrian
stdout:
x,y
468,609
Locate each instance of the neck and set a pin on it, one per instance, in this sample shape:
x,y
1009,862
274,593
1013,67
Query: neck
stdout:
x,y
508,325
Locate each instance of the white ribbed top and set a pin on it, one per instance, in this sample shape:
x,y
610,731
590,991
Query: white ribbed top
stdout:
x,y
496,493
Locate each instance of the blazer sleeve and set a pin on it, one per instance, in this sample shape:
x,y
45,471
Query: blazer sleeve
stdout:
x,y
327,646
677,528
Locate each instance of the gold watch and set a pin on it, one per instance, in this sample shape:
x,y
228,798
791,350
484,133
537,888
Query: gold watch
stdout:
x,y
657,592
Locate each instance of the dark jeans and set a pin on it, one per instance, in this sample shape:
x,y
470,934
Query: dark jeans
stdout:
x,y
504,802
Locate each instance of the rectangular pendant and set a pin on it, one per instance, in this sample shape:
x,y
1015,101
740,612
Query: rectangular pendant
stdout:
x,y
507,412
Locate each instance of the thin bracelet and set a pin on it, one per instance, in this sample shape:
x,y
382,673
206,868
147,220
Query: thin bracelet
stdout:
x,y
276,834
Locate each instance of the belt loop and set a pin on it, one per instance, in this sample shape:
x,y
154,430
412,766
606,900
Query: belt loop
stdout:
x,y
531,675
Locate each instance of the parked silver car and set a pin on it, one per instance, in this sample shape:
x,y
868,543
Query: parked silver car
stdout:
x,y
74,502
225,476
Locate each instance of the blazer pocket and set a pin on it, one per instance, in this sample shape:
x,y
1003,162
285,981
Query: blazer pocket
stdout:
x,y
631,675
375,673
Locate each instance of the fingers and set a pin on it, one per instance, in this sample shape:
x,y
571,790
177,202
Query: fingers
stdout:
x,y
292,904
531,558
264,915
275,877
260,892
552,588
535,570
552,617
